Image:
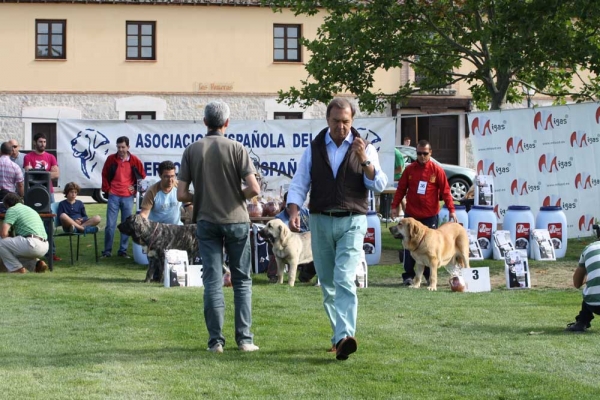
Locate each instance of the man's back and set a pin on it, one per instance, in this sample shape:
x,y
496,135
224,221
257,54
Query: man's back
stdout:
x,y
216,166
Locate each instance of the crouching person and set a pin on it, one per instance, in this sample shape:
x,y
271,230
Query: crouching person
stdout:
x,y
588,269
21,253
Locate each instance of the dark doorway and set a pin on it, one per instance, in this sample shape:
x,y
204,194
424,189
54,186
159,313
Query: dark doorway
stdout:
x,y
440,131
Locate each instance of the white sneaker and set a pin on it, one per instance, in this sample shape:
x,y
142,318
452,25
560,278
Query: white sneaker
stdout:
x,y
248,347
217,348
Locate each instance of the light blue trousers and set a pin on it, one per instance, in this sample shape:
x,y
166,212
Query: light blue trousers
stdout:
x,y
337,245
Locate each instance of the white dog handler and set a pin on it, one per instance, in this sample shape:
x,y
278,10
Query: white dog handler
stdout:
x,y
339,168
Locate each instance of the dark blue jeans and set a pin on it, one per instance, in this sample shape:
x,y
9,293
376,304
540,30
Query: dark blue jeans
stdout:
x,y
116,203
236,241
409,262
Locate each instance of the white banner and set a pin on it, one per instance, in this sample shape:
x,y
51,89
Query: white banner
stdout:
x,y
546,156
83,145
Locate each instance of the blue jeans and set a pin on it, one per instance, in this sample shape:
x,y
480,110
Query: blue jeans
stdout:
x,y
116,203
236,240
337,245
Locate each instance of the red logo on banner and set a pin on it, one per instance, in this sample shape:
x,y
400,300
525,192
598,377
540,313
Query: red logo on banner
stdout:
x,y
542,122
552,201
519,187
514,145
598,115
583,181
486,167
548,163
586,222
481,126
579,138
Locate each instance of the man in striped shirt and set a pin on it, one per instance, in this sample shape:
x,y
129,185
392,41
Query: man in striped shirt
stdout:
x,y
588,273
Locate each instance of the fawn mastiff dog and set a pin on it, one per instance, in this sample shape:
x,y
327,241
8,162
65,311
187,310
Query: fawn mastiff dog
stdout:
x,y
289,248
446,246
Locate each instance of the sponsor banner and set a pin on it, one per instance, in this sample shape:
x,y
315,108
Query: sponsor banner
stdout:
x,y
275,145
546,156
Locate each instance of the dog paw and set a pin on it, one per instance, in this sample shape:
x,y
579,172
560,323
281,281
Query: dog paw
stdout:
x,y
432,289
415,286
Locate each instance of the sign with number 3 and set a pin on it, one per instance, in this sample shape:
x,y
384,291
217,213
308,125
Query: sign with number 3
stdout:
x,y
477,279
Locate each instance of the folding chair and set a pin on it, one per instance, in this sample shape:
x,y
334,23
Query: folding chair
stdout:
x,y
58,231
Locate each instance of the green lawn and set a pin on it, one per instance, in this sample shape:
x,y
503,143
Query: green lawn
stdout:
x,y
95,331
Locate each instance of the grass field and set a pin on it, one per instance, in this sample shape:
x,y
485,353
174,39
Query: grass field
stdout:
x,y
95,331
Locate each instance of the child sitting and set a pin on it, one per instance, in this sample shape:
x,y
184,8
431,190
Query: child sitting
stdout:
x,y
72,215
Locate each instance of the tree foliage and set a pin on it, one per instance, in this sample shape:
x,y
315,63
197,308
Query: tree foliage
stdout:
x,y
497,47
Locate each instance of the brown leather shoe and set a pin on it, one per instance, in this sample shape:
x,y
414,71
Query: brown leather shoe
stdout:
x,y
21,270
332,349
41,266
345,347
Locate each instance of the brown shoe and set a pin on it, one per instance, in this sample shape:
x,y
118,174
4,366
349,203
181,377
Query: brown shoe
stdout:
x,y
332,349
345,347
41,266
21,270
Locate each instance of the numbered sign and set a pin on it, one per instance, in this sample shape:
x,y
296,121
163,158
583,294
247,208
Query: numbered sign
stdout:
x,y
477,279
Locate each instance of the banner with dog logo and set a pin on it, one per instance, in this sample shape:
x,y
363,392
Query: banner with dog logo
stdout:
x,y
274,145
543,156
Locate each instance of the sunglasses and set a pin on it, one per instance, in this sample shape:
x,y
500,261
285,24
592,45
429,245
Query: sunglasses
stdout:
x,y
422,153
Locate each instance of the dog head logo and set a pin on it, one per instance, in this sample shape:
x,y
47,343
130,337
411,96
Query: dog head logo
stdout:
x,y
542,121
552,200
579,139
481,126
518,187
486,167
514,145
370,135
85,145
585,222
548,163
583,180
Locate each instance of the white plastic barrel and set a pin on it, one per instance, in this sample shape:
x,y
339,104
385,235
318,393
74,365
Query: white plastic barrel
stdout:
x,y
483,221
372,242
461,215
554,220
519,221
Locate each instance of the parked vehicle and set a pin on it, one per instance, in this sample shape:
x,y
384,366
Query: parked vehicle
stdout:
x,y
460,178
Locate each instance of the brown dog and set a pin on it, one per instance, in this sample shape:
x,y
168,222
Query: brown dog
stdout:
x,y
446,246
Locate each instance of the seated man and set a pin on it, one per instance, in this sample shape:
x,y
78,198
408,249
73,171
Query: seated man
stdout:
x,y
72,215
305,271
21,253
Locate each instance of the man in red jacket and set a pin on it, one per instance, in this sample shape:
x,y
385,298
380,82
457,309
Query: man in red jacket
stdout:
x,y
120,175
423,183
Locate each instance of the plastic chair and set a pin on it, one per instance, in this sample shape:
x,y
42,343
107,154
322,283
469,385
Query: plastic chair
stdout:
x,y
58,231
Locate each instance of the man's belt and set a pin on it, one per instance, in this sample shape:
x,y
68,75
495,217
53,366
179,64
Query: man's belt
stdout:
x,y
36,237
337,214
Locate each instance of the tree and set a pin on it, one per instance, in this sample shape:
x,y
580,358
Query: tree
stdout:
x,y
503,46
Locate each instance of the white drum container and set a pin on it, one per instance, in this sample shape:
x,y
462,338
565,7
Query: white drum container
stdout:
x,y
483,221
519,221
554,220
372,242
461,215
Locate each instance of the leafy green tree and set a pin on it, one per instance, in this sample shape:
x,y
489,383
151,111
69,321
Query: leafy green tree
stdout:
x,y
498,47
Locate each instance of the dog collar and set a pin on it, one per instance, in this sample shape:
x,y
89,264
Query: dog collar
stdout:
x,y
419,245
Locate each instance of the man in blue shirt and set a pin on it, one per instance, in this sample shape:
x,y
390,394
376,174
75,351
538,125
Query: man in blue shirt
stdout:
x,y
339,168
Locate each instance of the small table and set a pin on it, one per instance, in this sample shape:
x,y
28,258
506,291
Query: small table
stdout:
x,y
48,219
385,201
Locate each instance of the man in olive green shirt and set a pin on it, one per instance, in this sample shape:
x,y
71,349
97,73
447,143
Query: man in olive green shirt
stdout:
x,y
21,253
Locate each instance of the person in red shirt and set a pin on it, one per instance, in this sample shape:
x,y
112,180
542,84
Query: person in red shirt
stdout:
x,y
120,176
423,183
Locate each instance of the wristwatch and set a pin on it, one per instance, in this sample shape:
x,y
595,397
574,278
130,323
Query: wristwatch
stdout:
x,y
366,163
